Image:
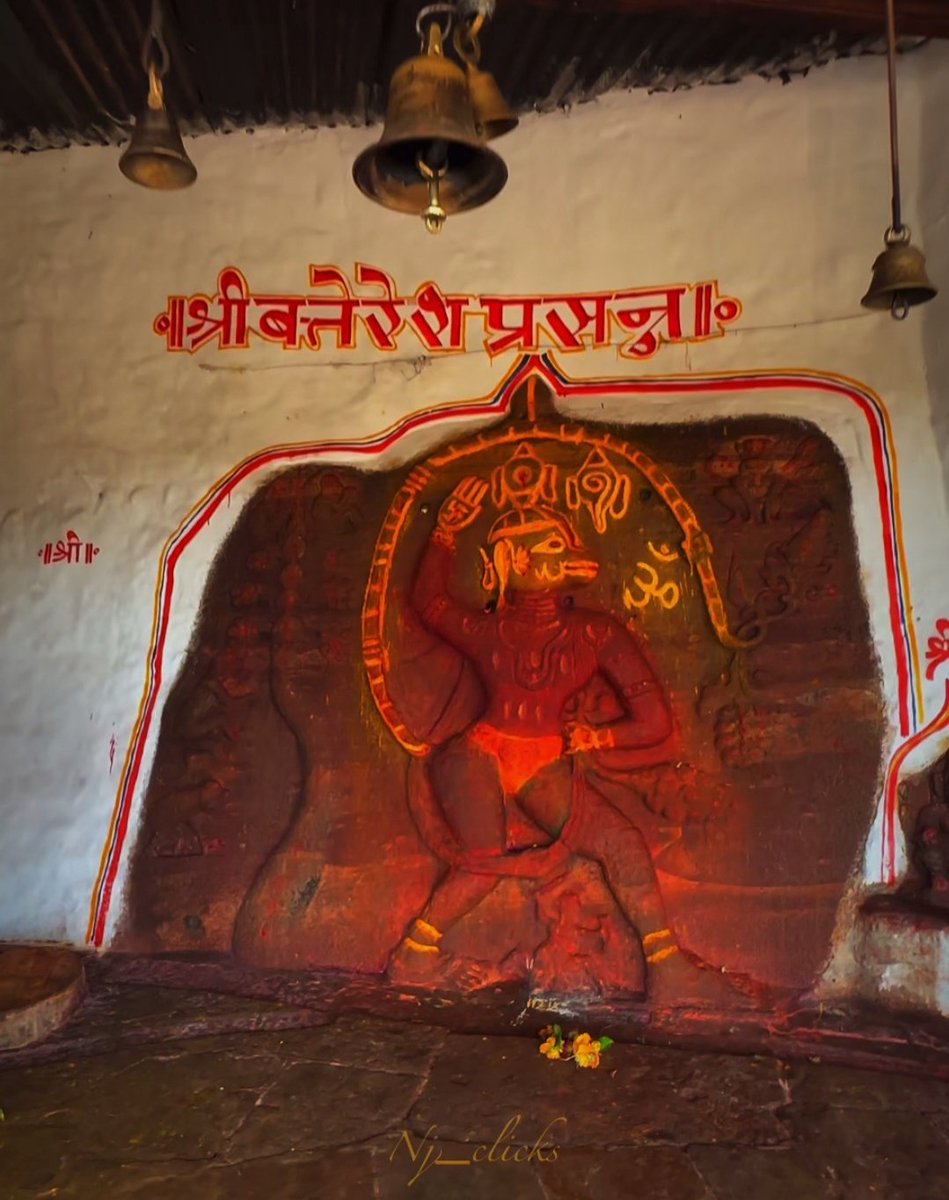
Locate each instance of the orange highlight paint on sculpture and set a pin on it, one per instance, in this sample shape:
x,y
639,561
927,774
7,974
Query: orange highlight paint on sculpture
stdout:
x,y
508,795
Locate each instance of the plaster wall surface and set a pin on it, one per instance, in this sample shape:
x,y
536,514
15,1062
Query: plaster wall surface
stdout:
x,y
779,193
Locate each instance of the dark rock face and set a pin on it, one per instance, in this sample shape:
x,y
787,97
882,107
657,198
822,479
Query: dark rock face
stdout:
x,y
590,709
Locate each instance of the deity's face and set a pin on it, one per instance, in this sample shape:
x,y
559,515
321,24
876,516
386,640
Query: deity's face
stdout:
x,y
548,558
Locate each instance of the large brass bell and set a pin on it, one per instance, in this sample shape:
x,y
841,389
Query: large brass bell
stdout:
x,y
155,157
430,160
899,276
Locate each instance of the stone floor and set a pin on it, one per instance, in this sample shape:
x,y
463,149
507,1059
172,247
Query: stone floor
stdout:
x,y
152,1093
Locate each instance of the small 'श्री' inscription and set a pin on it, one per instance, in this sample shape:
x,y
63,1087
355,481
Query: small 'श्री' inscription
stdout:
x,y
68,549
424,1152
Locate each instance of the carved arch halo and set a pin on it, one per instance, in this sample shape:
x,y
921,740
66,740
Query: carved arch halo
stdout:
x,y
539,423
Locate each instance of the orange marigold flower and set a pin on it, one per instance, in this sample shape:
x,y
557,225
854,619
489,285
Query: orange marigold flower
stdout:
x,y
552,1047
586,1051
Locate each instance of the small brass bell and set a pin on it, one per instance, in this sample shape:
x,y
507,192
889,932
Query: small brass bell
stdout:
x,y
430,160
899,276
155,157
492,116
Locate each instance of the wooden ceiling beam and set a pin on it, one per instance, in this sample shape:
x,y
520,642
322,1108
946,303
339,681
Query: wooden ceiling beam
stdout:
x,y
914,18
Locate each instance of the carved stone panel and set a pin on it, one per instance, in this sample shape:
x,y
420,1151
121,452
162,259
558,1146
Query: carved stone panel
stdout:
x,y
589,707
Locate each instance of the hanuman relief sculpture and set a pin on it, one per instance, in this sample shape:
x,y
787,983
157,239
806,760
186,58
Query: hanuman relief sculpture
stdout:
x,y
565,689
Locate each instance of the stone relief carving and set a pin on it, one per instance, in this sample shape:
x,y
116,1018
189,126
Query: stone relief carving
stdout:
x,y
492,719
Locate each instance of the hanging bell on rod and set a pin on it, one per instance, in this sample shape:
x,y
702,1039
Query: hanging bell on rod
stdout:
x,y
155,156
430,160
899,279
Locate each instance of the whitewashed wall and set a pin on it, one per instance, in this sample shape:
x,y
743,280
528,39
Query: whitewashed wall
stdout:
x,y
778,192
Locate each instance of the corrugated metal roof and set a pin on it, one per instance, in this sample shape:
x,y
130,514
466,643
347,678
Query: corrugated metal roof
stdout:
x,y
71,71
